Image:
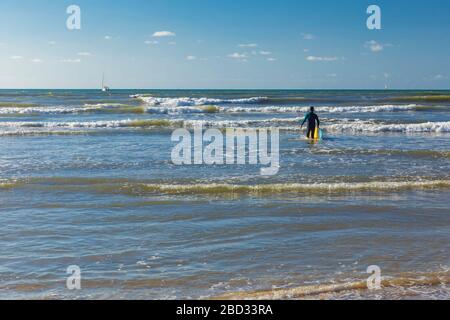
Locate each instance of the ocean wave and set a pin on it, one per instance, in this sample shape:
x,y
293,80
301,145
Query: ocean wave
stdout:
x,y
383,152
37,109
9,184
323,109
43,132
279,109
103,105
183,110
95,124
436,127
318,188
140,188
40,110
198,109
143,123
104,108
424,98
187,101
401,282
16,105
283,124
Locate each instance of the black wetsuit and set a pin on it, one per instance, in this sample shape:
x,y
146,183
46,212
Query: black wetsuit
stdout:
x,y
312,118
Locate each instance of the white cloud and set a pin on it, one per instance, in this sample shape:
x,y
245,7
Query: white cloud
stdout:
x,y
107,37
191,58
71,60
325,59
16,57
262,53
172,43
332,75
84,54
374,46
271,59
248,45
37,60
439,77
151,42
238,56
52,43
305,50
160,34
308,36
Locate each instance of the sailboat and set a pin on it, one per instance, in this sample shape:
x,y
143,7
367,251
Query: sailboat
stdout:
x,y
104,88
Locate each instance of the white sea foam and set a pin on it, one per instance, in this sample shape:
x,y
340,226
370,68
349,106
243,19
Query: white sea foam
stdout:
x,y
74,124
292,187
398,127
278,109
201,106
104,105
187,101
174,110
146,122
41,110
329,109
241,123
282,123
59,109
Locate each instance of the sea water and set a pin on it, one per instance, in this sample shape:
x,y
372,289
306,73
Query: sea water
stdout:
x,y
87,180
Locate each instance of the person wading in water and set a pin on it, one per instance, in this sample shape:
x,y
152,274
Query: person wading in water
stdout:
x,y
312,119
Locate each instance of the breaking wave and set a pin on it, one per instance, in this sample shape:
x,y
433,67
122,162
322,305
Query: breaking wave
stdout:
x,y
129,123
341,125
398,127
41,110
325,109
288,187
87,108
9,184
139,187
199,108
186,101
277,109
283,124
403,282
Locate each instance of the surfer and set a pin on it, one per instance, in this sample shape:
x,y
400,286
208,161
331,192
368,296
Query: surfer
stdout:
x,y
311,118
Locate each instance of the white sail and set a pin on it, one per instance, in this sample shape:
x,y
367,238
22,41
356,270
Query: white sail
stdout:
x,y
104,88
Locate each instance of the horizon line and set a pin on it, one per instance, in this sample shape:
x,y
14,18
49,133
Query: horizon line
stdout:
x,y
243,89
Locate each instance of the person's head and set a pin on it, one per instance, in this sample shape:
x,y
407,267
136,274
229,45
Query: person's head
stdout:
x,y
312,109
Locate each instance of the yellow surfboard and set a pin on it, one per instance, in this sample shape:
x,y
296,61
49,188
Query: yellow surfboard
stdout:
x,y
317,135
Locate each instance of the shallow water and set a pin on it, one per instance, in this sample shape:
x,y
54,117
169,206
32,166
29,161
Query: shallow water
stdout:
x,y
87,179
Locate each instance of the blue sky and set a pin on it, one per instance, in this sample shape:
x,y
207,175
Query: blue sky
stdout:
x,y
225,44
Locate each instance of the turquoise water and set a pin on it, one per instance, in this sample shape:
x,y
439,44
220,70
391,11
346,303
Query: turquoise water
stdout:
x,y
86,179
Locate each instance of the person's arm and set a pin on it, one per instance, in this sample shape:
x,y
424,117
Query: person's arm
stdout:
x,y
318,121
304,120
